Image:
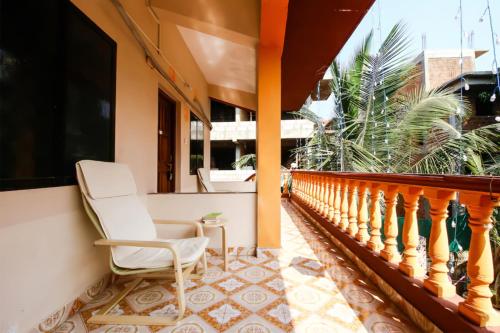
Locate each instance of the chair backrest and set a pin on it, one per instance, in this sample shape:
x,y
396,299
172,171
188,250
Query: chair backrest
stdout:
x,y
204,177
109,190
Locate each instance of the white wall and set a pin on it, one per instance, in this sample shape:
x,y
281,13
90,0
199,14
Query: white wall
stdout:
x,y
239,209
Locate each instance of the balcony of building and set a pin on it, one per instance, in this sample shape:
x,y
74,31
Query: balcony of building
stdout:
x,y
132,82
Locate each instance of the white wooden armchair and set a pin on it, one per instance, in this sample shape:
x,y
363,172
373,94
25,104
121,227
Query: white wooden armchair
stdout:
x,y
110,200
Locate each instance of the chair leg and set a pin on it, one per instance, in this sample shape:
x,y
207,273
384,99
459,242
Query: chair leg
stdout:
x,y
103,318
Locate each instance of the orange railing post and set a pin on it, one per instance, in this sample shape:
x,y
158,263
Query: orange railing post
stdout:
x,y
409,265
321,204
344,206
326,195
375,242
362,234
331,199
390,250
477,306
337,201
352,229
438,282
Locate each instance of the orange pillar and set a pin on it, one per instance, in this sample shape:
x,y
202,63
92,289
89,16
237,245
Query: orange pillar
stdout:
x,y
272,33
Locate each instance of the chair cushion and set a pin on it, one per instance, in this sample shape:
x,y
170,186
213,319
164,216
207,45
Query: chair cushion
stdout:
x,y
189,249
204,177
124,218
106,179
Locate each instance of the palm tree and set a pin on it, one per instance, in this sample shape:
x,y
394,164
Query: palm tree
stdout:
x,y
385,123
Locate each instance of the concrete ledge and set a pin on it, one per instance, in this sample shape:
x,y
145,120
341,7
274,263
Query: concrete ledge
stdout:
x,y
426,310
238,209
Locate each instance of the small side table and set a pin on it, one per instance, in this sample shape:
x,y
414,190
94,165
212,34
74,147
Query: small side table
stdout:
x,y
222,225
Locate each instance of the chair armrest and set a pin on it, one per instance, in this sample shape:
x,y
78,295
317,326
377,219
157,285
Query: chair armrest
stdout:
x,y
199,229
136,243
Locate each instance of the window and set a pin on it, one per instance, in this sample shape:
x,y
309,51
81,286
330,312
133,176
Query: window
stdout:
x,y
195,145
57,91
220,112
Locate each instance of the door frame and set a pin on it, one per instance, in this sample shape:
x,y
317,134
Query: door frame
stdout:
x,y
175,145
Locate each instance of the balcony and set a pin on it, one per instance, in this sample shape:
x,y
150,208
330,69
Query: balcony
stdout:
x,y
246,130
317,262
347,207
309,284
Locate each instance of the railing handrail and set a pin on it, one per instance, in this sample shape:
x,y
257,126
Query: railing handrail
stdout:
x,y
483,184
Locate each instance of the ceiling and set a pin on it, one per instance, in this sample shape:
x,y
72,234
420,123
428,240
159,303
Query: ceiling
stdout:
x,y
222,62
223,37
315,33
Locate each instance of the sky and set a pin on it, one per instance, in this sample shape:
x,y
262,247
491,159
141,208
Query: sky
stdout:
x,y
437,19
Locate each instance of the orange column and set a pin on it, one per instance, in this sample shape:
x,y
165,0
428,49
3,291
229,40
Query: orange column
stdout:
x,y
272,33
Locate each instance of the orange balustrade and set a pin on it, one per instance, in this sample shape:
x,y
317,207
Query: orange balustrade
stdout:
x,y
351,202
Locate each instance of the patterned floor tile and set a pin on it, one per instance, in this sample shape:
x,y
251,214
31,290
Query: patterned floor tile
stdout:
x,y
203,297
224,314
254,298
254,324
308,298
191,324
255,274
121,329
148,298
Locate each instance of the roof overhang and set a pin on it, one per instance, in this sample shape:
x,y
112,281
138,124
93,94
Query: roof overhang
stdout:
x,y
316,31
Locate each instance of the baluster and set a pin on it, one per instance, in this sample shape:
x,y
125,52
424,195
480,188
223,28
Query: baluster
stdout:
x,y
321,202
375,243
390,250
302,187
352,229
344,206
337,201
410,265
313,191
309,189
296,185
317,192
362,234
437,282
331,200
477,306
326,196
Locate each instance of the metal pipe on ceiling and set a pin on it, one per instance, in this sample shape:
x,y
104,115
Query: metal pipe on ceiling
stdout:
x,y
151,58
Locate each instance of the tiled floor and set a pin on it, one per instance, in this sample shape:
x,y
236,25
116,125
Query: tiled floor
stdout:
x,y
309,287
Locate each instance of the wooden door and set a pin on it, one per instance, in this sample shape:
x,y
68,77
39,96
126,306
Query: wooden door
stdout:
x,y
166,144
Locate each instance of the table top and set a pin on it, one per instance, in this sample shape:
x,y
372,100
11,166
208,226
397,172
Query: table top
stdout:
x,y
220,223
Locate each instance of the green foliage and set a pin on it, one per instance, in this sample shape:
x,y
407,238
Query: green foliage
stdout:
x,y
383,123
245,160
